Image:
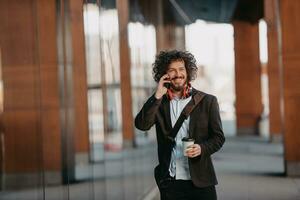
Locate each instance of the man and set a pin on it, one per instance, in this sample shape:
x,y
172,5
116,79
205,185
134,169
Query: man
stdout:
x,y
179,176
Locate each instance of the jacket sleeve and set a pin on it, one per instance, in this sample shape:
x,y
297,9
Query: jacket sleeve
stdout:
x,y
216,137
146,117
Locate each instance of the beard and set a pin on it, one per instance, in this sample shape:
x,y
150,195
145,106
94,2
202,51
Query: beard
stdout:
x,y
178,87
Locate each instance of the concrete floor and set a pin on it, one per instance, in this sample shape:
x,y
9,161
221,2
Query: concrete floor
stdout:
x,y
247,168
252,168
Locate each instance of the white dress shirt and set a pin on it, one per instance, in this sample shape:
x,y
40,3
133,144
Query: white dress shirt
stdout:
x,y
179,167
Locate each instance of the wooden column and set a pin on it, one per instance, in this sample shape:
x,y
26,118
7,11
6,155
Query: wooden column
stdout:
x,y
168,36
81,133
273,69
159,28
123,15
247,77
290,27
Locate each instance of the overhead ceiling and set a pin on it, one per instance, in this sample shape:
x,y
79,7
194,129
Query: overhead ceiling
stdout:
x,y
182,12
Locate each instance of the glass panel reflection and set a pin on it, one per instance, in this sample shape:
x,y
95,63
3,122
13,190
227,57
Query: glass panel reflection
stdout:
x,y
96,93
105,119
142,43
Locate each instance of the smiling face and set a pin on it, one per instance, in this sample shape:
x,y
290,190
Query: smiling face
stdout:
x,y
178,75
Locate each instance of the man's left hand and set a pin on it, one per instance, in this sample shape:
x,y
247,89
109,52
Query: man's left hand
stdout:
x,y
193,151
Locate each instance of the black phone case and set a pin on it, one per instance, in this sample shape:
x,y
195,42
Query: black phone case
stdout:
x,y
167,85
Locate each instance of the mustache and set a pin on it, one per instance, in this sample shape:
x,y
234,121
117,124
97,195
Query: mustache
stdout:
x,y
176,77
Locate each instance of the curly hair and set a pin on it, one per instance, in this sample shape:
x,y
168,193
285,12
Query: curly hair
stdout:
x,y
165,58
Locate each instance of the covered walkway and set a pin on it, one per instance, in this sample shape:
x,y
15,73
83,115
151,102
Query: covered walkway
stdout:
x,y
251,168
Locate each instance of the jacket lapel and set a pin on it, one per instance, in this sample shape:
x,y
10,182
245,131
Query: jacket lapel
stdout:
x,y
166,109
197,96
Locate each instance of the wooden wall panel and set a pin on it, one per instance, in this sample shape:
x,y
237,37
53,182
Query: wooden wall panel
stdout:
x,y
21,114
31,93
48,84
18,46
32,106
49,87
51,140
22,152
20,87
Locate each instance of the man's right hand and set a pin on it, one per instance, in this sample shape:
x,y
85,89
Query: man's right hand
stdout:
x,y
161,89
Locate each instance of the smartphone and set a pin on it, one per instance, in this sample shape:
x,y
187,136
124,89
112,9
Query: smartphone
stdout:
x,y
167,85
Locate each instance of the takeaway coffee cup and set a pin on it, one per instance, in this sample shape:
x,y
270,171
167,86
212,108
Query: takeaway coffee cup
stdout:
x,y
186,142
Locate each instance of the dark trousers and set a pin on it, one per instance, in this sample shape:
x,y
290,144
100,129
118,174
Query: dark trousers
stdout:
x,y
185,190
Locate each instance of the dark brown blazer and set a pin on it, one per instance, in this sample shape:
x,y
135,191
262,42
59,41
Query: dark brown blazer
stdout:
x,y
205,127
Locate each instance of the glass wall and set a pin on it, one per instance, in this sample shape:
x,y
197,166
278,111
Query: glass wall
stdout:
x,y
142,44
142,53
61,122
105,119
